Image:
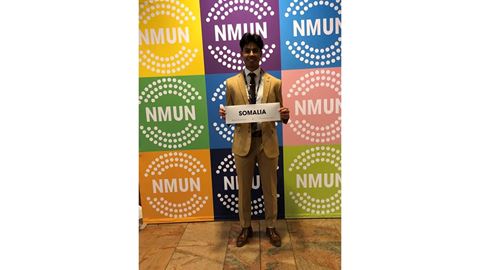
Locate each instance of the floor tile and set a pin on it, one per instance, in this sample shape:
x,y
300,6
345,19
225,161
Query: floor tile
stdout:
x,y
246,257
316,243
198,257
276,257
157,244
321,255
306,244
313,230
152,258
161,235
206,233
203,246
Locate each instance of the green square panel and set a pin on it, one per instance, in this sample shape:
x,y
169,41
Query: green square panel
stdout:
x,y
312,181
173,113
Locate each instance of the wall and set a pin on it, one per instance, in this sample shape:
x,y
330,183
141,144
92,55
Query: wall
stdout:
x,y
187,49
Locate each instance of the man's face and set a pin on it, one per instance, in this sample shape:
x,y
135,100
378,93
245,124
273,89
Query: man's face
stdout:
x,y
251,55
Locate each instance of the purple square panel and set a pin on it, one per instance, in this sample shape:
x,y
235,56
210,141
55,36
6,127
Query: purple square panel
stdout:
x,y
224,23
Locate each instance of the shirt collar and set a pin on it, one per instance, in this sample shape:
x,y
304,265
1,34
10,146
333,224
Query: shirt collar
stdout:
x,y
257,72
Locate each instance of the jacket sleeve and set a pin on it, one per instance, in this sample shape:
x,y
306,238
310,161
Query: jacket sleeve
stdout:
x,y
280,99
229,94
279,93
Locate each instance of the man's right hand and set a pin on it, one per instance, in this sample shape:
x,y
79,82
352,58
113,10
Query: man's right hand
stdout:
x,y
221,112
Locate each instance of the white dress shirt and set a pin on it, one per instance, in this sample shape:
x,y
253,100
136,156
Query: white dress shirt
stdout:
x,y
257,78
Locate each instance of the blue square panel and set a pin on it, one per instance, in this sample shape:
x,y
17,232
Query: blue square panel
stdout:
x,y
221,134
310,35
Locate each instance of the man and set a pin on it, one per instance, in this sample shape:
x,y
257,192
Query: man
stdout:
x,y
255,142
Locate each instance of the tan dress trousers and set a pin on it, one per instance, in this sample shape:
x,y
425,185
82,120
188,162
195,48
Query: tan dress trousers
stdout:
x,y
268,178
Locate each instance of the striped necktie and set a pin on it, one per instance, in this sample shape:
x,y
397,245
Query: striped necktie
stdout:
x,y
251,89
252,95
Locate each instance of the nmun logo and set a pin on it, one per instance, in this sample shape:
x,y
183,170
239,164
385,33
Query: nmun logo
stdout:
x,y
226,170
172,115
316,101
224,23
170,38
317,186
176,185
313,33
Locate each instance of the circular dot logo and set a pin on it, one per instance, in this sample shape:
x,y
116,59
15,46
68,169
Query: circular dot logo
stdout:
x,y
169,39
225,21
308,30
316,101
176,185
232,59
316,193
226,167
169,113
231,203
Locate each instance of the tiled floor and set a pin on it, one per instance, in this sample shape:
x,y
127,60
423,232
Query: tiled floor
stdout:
x,y
306,244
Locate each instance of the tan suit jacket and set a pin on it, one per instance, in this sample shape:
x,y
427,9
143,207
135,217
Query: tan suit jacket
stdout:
x,y
237,95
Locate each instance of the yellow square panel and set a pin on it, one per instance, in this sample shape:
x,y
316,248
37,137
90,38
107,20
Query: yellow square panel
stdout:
x,y
170,38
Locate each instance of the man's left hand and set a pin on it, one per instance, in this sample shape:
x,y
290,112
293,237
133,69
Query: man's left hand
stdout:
x,y
284,114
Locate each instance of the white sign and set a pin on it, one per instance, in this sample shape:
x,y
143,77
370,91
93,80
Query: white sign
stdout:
x,y
263,112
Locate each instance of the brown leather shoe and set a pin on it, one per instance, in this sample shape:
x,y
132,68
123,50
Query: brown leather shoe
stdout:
x,y
242,238
274,237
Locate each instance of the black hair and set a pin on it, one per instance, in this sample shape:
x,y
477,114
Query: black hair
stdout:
x,y
248,37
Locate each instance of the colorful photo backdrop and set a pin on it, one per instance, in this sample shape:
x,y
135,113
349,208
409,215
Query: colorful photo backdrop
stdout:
x,y
187,49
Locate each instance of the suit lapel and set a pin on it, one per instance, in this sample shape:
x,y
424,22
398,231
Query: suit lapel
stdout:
x,y
266,87
241,87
